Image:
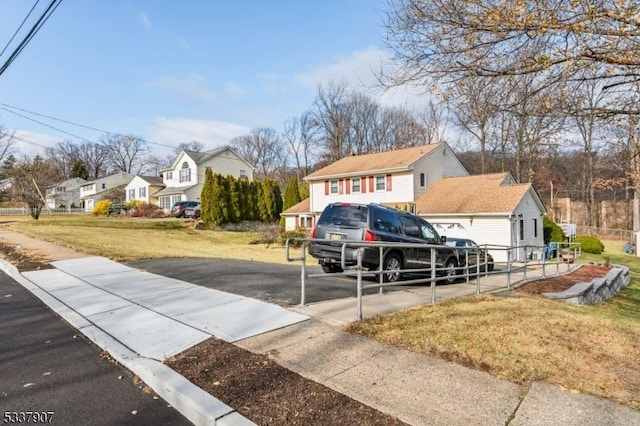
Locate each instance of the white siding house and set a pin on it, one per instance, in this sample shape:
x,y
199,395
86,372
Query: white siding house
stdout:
x,y
396,178
489,209
144,188
184,179
64,194
103,188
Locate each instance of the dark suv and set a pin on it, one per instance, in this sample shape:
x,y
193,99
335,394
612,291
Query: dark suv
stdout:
x,y
177,210
374,222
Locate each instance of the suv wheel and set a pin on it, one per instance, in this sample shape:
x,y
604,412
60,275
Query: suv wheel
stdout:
x,y
392,263
450,271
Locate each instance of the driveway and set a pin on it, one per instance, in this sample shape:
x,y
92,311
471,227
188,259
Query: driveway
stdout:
x,y
270,282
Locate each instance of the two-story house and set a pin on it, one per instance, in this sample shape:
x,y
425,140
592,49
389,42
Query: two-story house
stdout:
x,y
184,179
64,194
144,188
108,187
429,181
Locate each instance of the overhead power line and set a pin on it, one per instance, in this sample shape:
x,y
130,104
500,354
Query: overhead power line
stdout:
x,y
19,28
10,108
29,36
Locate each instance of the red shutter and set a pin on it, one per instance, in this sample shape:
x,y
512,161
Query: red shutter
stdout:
x,y
347,186
363,185
372,184
388,182
340,186
297,221
326,187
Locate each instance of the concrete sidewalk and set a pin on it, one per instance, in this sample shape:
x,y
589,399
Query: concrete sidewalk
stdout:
x,y
142,318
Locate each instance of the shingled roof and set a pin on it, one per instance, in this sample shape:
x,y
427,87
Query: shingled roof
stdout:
x,y
302,207
472,194
399,159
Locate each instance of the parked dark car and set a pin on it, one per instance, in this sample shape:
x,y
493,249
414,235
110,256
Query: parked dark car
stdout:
x,y
374,222
469,249
177,210
192,212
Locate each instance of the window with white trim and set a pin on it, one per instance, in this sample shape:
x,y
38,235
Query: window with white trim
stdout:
x,y
381,183
356,184
185,173
132,193
333,186
423,180
305,221
142,192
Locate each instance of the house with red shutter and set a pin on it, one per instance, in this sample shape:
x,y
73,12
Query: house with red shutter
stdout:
x,y
431,182
394,178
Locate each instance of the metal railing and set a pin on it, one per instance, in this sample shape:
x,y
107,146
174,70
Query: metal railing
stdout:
x,y
23,211
534,257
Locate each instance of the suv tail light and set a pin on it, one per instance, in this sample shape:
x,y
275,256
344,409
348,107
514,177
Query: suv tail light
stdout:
x,y
313,232
369,236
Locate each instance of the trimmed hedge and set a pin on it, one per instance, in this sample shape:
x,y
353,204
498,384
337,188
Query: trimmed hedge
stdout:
x,y
590,244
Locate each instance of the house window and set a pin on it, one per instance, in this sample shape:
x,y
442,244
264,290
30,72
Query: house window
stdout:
x,y
142,192
521,229
60,189
185,173
535,228
381,183
243,173
355,184
333,189
305,221
104,186
169,175
132,194
423,180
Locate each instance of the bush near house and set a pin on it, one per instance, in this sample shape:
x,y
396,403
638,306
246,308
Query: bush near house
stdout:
x,y
590,244
295,233
552,232
142,209
102,208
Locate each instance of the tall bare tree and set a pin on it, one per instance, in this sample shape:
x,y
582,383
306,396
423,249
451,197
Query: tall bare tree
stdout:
x,y
264,149
301,137
332,117
30,178
7,143
126,152
189,146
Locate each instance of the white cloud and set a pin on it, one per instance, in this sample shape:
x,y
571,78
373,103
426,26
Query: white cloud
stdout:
x,y
30,143
144,20
211,133
358,71
192,86
234,89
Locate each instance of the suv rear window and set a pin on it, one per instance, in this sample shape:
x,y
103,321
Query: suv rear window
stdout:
x,y
344,215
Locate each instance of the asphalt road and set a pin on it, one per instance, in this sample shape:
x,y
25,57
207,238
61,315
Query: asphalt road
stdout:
x,y
270,282
47,366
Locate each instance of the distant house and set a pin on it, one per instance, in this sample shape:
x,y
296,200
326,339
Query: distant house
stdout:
x,y
144,188
184,179
64,194
99,189
489,209
431,182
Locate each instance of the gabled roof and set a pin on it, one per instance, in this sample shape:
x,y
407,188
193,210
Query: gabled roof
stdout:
x,y
302,207
399,159
490,193
152,180
172,190
202,157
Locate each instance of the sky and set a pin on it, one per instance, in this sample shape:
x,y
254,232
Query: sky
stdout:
x,y
177,71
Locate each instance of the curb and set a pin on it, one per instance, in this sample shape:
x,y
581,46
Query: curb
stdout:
x,y
196,405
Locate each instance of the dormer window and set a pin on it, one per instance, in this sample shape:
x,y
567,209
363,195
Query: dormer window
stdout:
x,y
185,173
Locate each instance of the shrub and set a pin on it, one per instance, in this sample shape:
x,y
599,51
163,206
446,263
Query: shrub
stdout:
x,y
143,209
134,204
552,232
590,244
296,233
102,208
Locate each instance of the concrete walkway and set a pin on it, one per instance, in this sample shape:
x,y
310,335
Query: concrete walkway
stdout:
x,y
142,318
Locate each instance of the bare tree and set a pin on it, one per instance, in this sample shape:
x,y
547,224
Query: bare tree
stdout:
x,y
448,39
331,113
30,177
189,146
126,152
96,157
7,143
264,149
63,155
301,136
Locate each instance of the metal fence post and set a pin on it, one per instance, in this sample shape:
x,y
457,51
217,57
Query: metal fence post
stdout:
x,y
303,273
509,268
433,275
486,268
524,276
359,283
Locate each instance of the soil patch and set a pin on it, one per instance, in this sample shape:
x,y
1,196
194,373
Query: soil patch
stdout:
x,y
268,393
560,283
22,259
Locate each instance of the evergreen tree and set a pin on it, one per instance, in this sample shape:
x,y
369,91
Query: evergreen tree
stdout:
x,y
79,170
235,210
217,201
206,197
225,199
272,201
291,193
260,209
244,197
